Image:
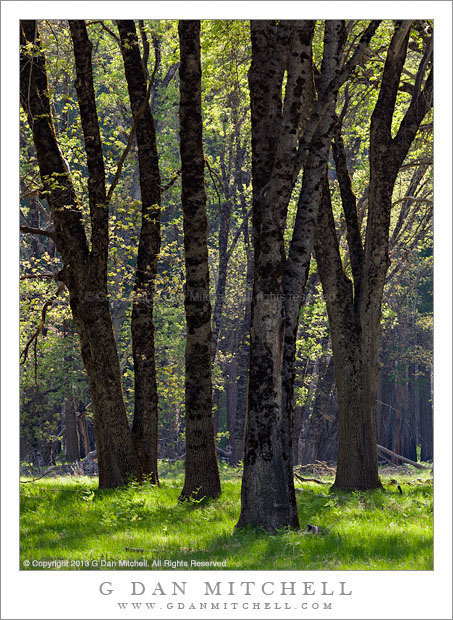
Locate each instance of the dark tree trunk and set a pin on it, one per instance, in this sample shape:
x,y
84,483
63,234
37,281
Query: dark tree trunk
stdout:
x,y
84,442
72,432
355,312
268,497
231,393
201,469
278,152
145,424
318,421
85,269
357,453
222,277
298,262
238,433
426,417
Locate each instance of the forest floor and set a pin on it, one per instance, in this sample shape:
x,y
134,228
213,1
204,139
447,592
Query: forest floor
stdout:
x,y
66,523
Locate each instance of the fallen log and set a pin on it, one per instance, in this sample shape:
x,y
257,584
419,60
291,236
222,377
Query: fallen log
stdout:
x,y
51,469
401,458
317,467
309,479
223,453
91,455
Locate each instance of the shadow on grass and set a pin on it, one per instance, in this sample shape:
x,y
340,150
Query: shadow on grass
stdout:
x,y
358,530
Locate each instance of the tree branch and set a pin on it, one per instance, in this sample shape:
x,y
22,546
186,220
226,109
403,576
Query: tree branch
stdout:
x,y
172,181
38,330
419,106
104,27
38,231
381,119
84,85
357,56
39,275
349,203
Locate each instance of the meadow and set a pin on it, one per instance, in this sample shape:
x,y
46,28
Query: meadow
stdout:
x,y
67,523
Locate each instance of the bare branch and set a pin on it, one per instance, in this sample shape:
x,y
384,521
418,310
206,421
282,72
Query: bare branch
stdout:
x,y
38,231
172,181
39,275
357,56
428,201
104,27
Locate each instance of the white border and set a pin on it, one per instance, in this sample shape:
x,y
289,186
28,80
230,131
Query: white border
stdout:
x,y
375,594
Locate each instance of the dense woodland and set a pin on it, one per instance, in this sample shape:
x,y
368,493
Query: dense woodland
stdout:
x,y
226,250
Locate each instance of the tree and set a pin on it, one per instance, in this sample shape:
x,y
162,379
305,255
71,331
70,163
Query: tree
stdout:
x,y
354,307
201,469
286,136
85,268
144,429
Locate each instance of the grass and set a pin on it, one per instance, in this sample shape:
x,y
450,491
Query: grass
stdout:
x,y
67,518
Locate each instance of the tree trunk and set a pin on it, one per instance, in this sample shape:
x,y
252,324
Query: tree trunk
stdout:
x,y
354,372
317,421
145,424
268,497
238,433
426,417
85,270
72,432
298,262
201,469
231,393
355,312
278,151
117,459
224,227
83,434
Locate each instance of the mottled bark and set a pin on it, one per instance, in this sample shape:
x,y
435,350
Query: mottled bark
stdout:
x,y
329,84
99,212
84,271
281,136
268,497
349,204
201,469
298,262
145,424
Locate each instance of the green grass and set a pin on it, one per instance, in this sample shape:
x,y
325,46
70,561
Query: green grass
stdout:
x,y
68,518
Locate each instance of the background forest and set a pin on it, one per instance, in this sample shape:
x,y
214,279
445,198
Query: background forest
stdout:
x,y
56,411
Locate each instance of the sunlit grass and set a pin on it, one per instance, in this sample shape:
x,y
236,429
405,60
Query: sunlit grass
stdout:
x,y
68,518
